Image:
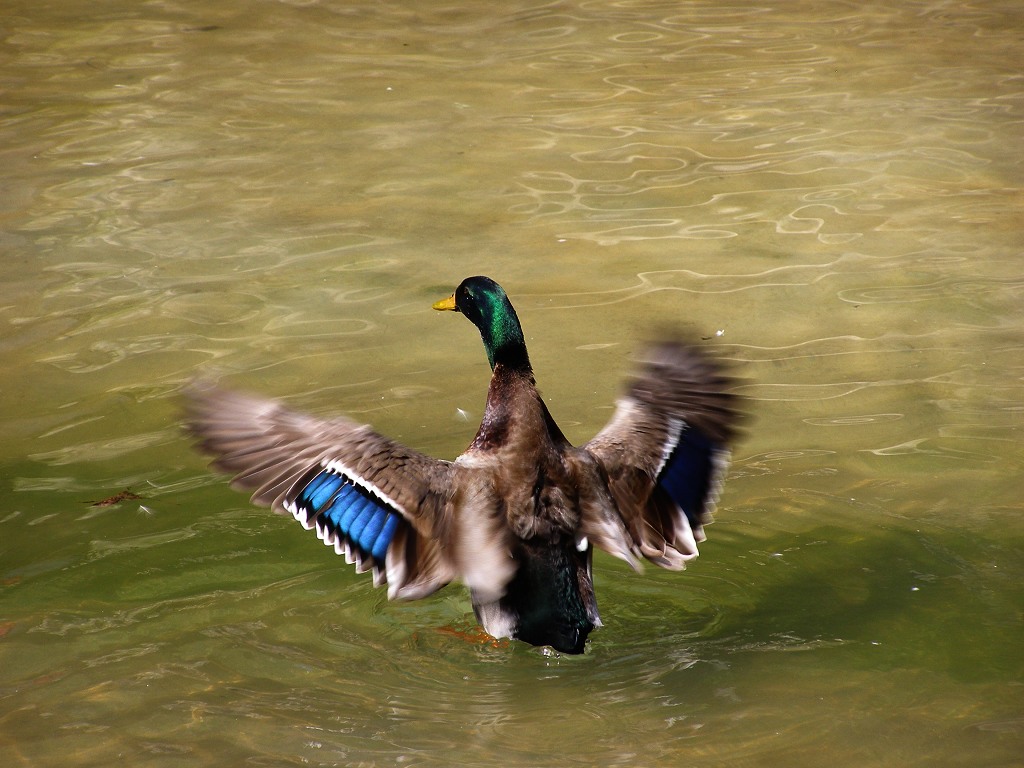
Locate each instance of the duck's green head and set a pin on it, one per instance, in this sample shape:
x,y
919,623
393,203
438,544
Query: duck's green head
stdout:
x,y
485,304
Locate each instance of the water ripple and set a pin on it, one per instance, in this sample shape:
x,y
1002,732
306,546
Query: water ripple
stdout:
x,y
277,196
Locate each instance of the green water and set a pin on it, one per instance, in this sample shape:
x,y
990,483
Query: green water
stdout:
x,y
274,193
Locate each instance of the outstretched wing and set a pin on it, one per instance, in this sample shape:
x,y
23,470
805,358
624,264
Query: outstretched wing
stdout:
x,y
665,451
381,505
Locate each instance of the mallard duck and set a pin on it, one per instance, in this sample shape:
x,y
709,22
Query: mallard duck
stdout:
x,y
515,517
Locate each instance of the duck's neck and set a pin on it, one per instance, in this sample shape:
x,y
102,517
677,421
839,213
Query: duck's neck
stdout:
x,y
512,357
503,341
513,409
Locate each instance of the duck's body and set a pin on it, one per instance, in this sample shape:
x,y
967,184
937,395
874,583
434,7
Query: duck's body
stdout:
x,y
525,467
516,516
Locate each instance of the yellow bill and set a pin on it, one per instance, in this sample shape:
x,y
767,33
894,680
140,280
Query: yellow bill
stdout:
x,y
448,304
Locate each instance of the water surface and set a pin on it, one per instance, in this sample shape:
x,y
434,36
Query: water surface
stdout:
x,y
274,193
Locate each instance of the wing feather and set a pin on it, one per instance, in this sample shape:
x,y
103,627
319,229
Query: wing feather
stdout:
x,y
381,505
665,451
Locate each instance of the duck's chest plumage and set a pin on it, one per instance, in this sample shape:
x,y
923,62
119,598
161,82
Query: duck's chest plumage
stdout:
x,y
526,459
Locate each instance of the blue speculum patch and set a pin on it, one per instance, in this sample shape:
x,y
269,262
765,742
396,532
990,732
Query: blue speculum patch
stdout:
x,y
688,474
354,513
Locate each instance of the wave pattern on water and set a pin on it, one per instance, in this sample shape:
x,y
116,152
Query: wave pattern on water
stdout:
x,y
829,194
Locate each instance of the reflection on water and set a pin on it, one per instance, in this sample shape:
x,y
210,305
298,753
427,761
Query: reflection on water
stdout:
x,y
275,194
